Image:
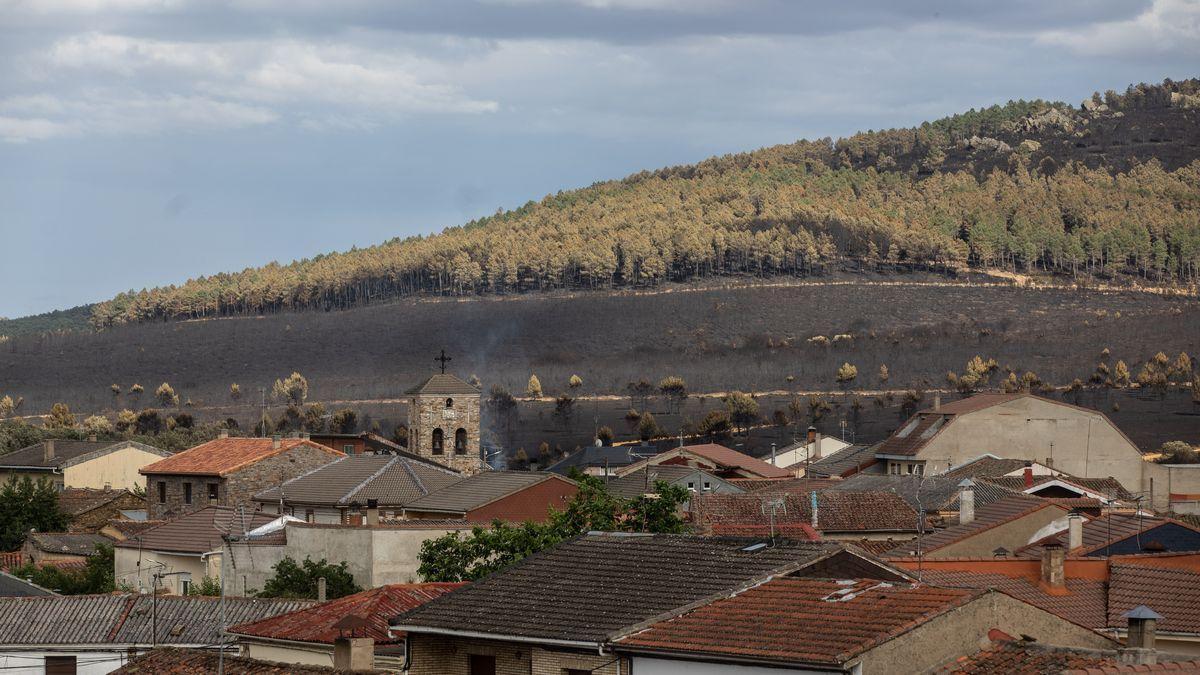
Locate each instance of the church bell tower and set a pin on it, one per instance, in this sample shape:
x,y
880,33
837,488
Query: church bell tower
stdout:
x,y
443,421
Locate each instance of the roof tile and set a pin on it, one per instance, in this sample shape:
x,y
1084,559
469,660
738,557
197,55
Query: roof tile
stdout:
x,y
223,456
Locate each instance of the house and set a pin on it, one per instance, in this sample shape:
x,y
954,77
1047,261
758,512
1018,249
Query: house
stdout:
x,y
358,444
513,496
376,554
339,492
862,626
91,509
181,552
1118,534
689,478
100,633
228,472
559,610
1064,437
602,460
839,515
1007,654
1009,523
307,636
61,547
797,456
715,459
190,661
1035,478
16,587
1091,592
82,464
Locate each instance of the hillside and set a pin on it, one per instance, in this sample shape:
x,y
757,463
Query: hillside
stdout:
x,y
1111,187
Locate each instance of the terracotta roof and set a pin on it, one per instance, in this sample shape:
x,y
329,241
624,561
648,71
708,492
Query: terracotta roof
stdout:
x,y
76,501
729,458
1192,667
1004,658
223,456
67,543
844,462
197,532
592,587
986,517
1173,593
174,661
11,559
836,512
483,488
444,384
774,622
797,486
392,480
1084,602
128,618
376,606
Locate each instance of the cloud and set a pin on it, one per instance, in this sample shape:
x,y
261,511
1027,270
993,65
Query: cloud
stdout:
x,y
1166,26
25,129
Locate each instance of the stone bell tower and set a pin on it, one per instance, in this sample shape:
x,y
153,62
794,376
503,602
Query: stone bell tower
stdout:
x,y
443,421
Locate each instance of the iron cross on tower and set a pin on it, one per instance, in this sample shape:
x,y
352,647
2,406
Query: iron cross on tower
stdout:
x,y
443,359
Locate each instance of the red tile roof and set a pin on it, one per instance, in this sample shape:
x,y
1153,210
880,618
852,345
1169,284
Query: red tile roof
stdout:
x,y
168,661
317,624
1121,668
1004,658
722,457
224,456
773,622
1173,593
1084,602
786,485
987,517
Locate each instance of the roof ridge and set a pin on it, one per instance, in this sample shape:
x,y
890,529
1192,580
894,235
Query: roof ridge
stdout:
x,y
363,483
130,601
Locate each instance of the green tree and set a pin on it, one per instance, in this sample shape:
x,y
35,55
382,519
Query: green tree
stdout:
x,y
742,409
1121,374
564,410
344,421
166,395
716,425
97,425
605,434
884,374
7,406
846,373
459,557
675,389
647,427
27,505
293,389
235,392
292,580
95,578
208,587
60,417
575,382
126,421
1178,452
534,388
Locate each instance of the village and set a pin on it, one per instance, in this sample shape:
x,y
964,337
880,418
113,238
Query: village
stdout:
x,y
985,533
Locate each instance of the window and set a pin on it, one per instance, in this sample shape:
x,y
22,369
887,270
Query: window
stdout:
x,y
460,442
60,665
162,492
185,586
449,403
187,493
707,485
691,486
213,492
438,438
309,516
348,448
478,664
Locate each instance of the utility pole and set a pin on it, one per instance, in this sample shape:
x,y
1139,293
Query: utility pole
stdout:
x,y
262,422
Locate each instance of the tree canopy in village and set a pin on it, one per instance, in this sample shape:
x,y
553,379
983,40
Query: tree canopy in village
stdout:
x,y
946,194
454,557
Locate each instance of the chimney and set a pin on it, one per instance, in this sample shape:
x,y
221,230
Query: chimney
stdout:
x,y
1054,557
812,435
1074,531
937,402
1028,475
354,653
321,589
966,502
815,522
48,447
372,512
1139,643
276,442
224,433
815,451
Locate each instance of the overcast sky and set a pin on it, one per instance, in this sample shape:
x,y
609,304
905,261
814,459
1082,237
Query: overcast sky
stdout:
x,y
144,142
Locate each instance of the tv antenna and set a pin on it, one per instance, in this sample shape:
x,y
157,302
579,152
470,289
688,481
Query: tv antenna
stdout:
x,y
772,507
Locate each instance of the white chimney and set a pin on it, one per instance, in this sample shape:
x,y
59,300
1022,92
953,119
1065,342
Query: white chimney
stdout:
x,y
1074,531
966,502
276,442
224,433
48,448
937,402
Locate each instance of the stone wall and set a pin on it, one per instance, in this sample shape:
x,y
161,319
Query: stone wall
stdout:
x,y
429,413
175,504
444,655
92,521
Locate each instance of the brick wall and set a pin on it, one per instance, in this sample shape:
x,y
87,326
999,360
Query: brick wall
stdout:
x,y
428,413
441,655
533,503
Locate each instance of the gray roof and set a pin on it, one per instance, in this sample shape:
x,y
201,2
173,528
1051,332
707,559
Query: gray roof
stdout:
x,y
637,483
837,464
482,488
986,465
127,618
68,452
16,587
605,455
594,586
933,493
392,480
199,531
444,384
67,543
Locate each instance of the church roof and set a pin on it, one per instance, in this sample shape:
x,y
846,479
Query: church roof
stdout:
x,y
443,383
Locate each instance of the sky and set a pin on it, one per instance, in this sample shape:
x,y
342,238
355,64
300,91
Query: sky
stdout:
x,y
146,142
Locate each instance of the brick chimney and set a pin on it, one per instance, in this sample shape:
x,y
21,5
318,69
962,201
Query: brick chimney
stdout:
x,y
1028,475
812,435
48,449
276,442
1074,531
1139,643
1054,558
966,502
354,653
